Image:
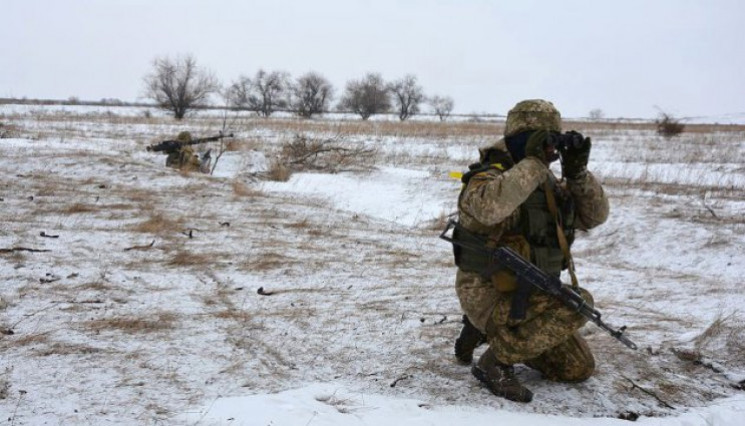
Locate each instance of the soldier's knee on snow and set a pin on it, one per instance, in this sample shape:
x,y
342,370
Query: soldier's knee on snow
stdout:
x,y
579,362
579,372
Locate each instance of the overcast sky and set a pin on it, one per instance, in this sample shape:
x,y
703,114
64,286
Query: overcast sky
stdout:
x,y
627,58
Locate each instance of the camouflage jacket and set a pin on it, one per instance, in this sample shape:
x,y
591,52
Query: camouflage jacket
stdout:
x,y
489,204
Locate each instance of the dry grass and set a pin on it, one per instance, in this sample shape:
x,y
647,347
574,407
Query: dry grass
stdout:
x,y
242,190
234,315
9,131
185,258
59,348
267,261
28,339
159,322
158,224
303,224
137,195
438,224
98,285
80,208
278,171
723,339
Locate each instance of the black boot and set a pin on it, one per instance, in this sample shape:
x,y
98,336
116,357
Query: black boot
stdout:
x,y
470,338
500,378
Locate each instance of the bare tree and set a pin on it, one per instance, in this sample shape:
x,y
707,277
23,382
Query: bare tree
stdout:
x,y
178,85
266,93
442,106
366,97
237,93
596,114
311,94
407,95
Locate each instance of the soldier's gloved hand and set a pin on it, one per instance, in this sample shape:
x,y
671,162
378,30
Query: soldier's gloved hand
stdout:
x,y
575,154
537,144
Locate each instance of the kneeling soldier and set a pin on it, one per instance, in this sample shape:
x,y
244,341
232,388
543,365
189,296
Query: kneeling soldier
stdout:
x,y
512,198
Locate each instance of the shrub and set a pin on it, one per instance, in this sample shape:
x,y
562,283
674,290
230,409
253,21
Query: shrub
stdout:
x,y
366,97
442,106
264,94
311,94
8,131
668,126
407,95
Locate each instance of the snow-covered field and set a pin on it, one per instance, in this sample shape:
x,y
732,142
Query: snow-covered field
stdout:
x,y
130,295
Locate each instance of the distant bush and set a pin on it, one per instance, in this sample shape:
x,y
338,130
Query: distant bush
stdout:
x,y
311,94
8,131
366,97
264,94
442,106
668,126
407,95
596,114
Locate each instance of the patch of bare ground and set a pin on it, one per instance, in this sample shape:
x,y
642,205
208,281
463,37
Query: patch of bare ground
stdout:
x,y
21,340
64,348
162,321
267,261
186,258
80,208
139,196
160,224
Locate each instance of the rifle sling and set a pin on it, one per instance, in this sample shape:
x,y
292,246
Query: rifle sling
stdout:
x,y
563,243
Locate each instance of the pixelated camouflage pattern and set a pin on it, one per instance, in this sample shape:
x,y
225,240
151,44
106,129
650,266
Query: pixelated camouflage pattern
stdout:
x,y
532,114
545,340
184,159
547,323
590,201
489,205
184,137
570,361
492,198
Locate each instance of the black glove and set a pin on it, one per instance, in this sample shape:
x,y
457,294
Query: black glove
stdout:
x,y
575,153
536,145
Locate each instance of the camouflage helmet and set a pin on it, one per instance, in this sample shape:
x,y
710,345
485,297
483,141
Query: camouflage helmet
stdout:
x,y
184,137
532,114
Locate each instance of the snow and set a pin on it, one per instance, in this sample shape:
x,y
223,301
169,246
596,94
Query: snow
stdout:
x,y
389,194
326,404
108,329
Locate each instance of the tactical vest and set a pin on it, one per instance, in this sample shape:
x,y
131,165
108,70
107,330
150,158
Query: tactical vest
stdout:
x,y
534,237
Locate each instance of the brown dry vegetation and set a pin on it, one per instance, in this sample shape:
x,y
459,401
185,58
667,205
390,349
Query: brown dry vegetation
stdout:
x,y
267,261
162,321
278,171
241,189
186,258
158,224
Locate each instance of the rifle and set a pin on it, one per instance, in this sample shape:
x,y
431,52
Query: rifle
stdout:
x,y
170,146
530,276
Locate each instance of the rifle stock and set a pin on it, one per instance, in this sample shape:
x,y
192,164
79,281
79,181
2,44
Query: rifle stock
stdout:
x,y
529,274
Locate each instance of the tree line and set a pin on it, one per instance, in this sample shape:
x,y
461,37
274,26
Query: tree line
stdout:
x,y
179,85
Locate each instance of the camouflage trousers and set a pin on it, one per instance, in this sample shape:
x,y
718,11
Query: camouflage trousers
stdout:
x,y
546,340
